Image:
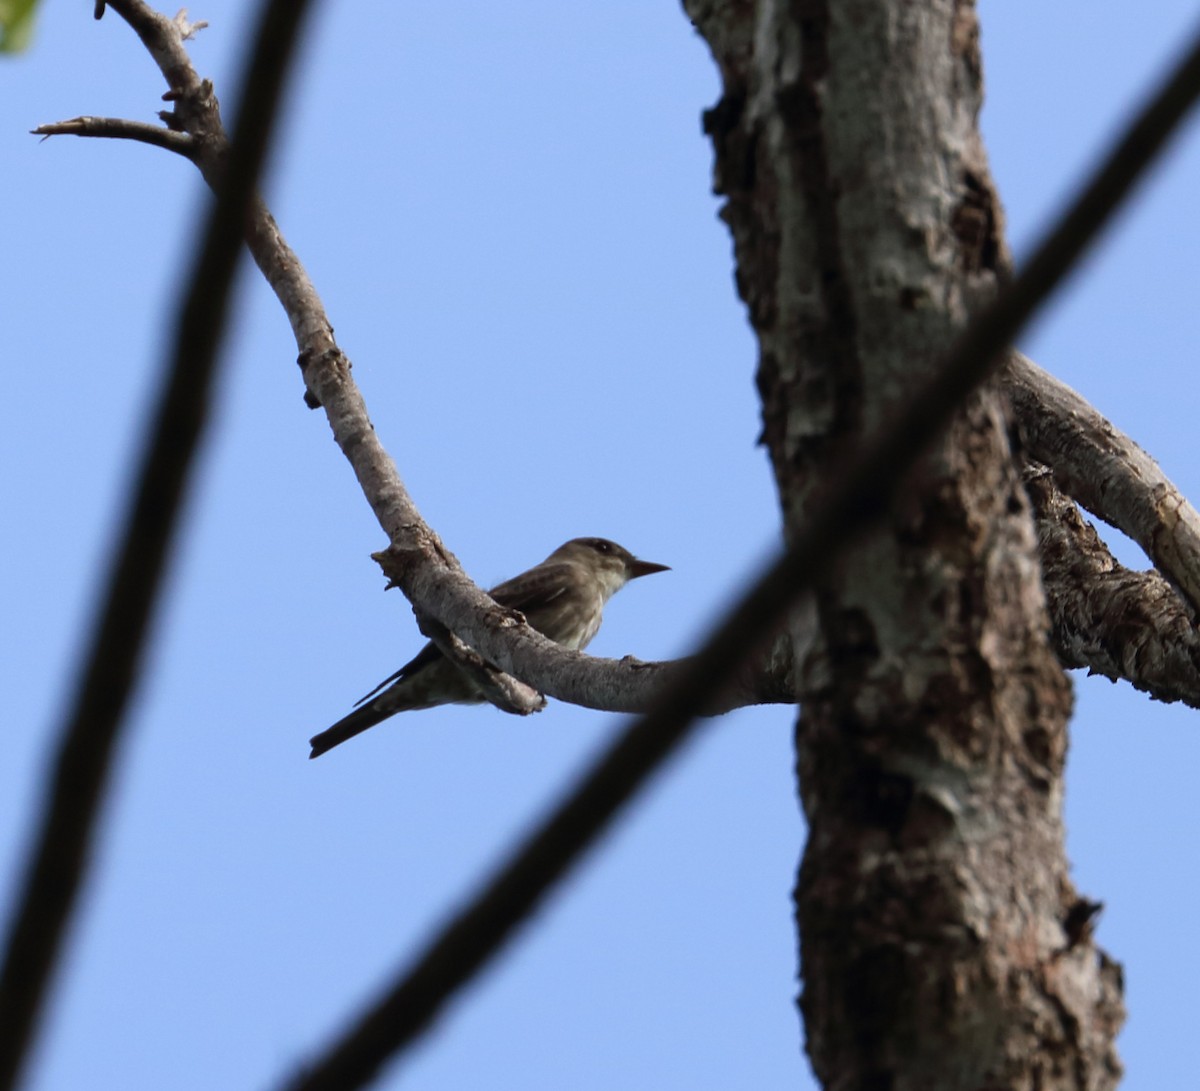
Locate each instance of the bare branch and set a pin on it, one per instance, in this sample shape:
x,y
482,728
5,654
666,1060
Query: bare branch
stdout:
x,y
425,570
1107,618
840,511
1106,471
54,870
55,867
433,580
163,38
501,689
616,685
120,129
427,573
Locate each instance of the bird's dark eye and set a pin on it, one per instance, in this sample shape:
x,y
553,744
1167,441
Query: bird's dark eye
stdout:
x,y
600,545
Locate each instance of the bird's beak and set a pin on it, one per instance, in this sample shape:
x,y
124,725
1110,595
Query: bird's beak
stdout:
x,y
645,568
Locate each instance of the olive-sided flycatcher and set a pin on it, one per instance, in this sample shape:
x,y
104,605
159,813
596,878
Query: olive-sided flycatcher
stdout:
x,y
563,598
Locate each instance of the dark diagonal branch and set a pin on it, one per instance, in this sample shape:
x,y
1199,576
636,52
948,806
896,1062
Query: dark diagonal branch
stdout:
x,y
432,579
91,726
1107,618
844,507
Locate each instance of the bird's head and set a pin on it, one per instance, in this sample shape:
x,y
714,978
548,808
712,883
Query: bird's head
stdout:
x,y
612,565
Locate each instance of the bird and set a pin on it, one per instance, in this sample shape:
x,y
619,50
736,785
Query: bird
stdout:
x,y
562,598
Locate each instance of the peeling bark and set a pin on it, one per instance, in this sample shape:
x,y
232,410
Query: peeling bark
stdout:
x,y
933,902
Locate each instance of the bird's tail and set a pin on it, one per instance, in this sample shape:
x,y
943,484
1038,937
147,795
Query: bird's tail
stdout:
x,y
349,726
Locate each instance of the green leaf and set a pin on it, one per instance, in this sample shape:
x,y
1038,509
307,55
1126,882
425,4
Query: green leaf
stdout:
x,y
16,24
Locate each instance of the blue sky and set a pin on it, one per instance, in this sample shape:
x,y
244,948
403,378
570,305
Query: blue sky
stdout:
x,y
508,214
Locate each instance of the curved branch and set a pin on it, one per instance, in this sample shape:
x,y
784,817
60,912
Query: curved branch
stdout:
x,y
418,562
1104,470
433,580
607,685
850,502
1122,624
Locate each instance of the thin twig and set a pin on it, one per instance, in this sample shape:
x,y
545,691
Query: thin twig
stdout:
x,y
117,128
56,865
844,508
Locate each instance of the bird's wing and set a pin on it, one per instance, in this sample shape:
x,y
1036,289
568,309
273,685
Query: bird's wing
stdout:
x,y
533,589
526,592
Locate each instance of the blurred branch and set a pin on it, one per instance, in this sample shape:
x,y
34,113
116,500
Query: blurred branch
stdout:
x,y
54,870
845,506
1057,423
433,580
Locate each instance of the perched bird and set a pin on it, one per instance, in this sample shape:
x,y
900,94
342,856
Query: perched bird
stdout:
x,y
562,598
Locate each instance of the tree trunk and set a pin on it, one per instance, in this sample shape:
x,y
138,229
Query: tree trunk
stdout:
x,y
943,945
